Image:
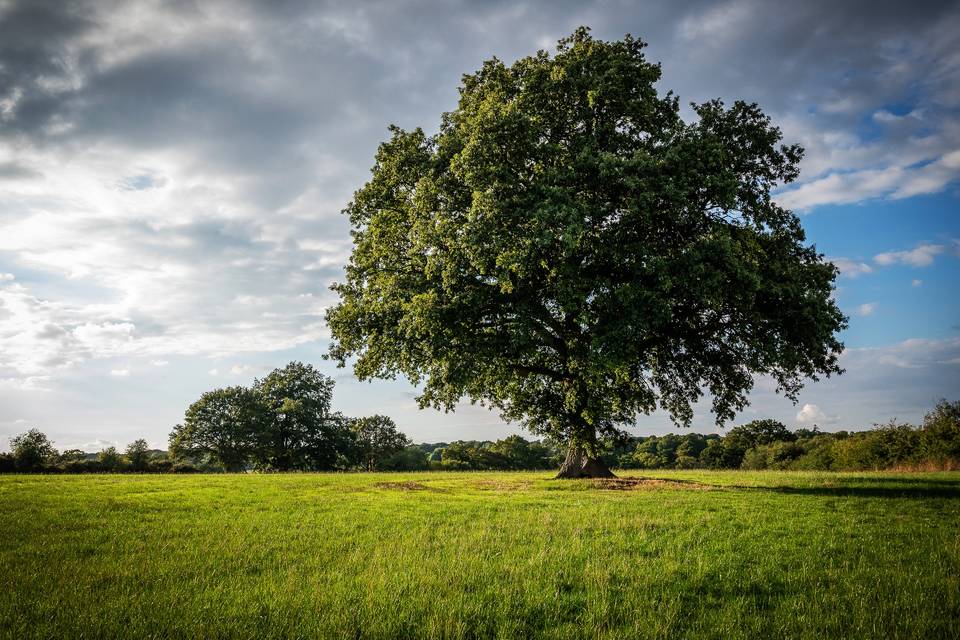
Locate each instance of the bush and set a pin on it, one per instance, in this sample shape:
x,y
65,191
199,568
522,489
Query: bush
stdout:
x,y
879,448
7,463
818,454
756,458
161,464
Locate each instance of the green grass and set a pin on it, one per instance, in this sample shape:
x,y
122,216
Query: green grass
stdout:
x,y
468,555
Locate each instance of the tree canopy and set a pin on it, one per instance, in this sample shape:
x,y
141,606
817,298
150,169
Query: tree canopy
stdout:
x,y
221,424
377,438
567,249
31,450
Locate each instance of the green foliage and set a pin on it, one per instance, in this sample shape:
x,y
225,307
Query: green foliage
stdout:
x,y
410,458
774,455
941,432
32,450
284,422
758,432
377,439
72,455
222,424
138,455
511,453
568,250
301,430
109,459
375,443
521,454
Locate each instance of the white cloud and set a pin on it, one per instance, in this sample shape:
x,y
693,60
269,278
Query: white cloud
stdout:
x,y
40,337
26,383
886,117
914,353
239,369
120,373
851,268
894,182
214,372
94,446
866,309
916,282
719,25
6,277
921,256
811,414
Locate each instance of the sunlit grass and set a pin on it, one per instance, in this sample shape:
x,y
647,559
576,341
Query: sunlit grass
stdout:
x,y
511,555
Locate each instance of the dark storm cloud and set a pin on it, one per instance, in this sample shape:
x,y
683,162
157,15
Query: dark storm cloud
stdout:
x,y
32,37
330,76
15,170
287,101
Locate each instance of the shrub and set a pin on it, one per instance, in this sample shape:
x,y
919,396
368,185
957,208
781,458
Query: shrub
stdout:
x,y
940,434
7,463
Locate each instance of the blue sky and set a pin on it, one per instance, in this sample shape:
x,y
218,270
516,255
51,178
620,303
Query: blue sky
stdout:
x,y
171,176
912,297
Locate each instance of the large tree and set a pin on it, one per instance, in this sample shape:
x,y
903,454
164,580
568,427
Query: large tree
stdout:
x,y
567,249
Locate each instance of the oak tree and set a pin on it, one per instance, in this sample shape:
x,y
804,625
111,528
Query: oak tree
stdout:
x,y
569,250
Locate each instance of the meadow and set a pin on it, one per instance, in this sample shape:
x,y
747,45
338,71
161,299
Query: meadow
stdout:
x,y
677,554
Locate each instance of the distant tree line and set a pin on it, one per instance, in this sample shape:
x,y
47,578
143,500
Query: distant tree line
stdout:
x,y
768,444
284,423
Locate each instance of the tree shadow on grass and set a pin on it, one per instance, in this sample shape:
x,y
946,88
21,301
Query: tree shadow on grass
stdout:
x,y
939,489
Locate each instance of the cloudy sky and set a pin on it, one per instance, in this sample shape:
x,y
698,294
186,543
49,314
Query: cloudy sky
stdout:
x,y
171,176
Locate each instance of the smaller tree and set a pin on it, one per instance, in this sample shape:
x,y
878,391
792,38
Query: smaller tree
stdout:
x,y
110,459
223,425
714,456
377,438
7,463
410,458
522,454
138,455
32,450
301,430
746,436
72,455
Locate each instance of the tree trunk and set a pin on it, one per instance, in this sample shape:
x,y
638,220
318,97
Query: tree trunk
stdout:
x,y
580,465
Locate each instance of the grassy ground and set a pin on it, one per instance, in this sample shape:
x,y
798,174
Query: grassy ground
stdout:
x,y
464,555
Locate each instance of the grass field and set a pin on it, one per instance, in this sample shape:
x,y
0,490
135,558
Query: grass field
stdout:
x,y
468,555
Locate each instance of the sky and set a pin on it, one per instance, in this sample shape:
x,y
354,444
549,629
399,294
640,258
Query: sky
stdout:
x,y
172,176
